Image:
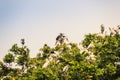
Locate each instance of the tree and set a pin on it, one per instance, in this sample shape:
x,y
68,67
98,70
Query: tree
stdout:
x,y
67,61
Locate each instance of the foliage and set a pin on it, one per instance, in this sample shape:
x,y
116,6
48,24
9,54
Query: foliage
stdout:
x,y
8,58
66,61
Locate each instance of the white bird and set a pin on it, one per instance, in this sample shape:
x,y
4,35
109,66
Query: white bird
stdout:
x,y
50,58
46,64
91,57
90,46
65,68
114,31
80,46
101,35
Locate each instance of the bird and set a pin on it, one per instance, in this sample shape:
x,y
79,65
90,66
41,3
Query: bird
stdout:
x,y
22,41
102,28
60,39
65,68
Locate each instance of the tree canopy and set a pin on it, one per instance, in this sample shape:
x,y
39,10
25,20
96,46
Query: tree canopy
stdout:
x,y
96,58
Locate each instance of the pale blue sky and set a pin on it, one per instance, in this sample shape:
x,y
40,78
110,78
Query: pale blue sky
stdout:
x,y
40,21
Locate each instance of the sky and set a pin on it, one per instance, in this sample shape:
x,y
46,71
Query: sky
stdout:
x,y
40,21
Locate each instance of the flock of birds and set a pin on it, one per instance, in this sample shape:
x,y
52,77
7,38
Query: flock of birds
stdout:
x,y
62,39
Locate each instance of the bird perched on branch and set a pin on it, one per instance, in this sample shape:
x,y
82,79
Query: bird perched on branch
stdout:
x,y
65,69
61,39
114,31
22,41
102,28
